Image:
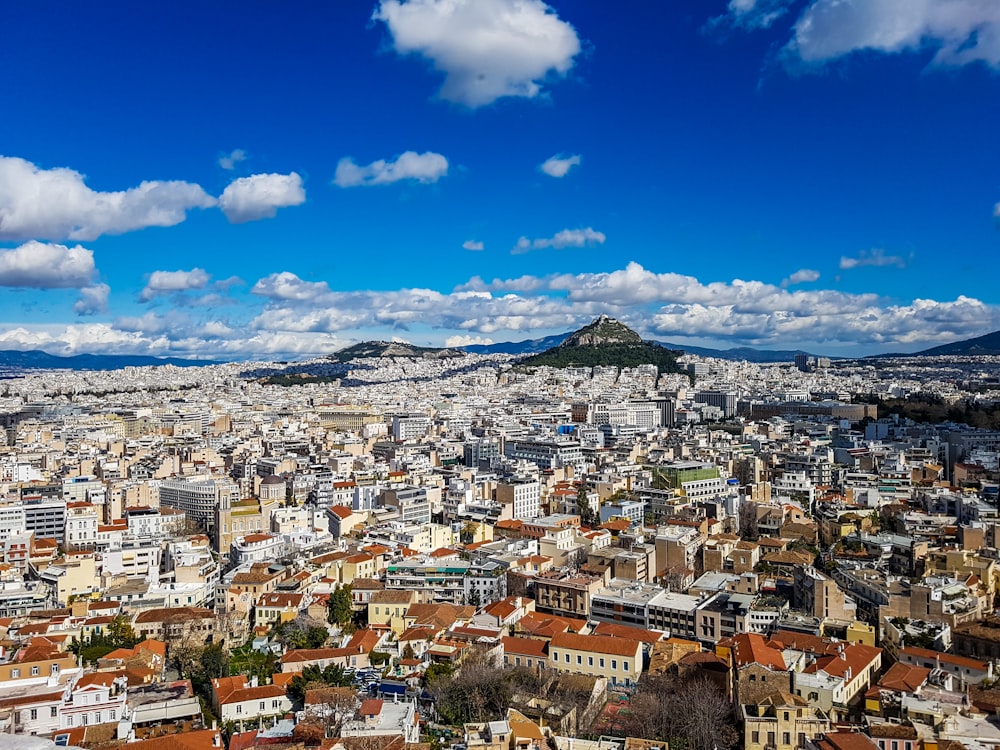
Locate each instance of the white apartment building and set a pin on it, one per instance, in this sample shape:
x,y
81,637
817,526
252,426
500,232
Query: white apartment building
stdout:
x,y
524,494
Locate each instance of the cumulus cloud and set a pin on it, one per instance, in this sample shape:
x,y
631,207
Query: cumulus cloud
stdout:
x,y
801,276
170,282
289,287
40,265
474,245
307,317
260,196
426,167
93,300
559,166
565,238
56,204
465,340
234,157
961,31
875,258
486,49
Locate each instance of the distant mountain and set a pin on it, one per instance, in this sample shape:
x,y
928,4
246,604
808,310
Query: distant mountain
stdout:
x,y
741,353
605,342
988,344
529,346
369,349
736,354
39,360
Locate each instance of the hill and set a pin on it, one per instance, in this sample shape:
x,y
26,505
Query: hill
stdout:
x,y
528,346
38,360
986,345
605,342
736,354
377,349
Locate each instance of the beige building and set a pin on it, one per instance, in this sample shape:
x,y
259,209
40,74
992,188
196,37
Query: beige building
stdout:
x,y
387,609
781,722
616,659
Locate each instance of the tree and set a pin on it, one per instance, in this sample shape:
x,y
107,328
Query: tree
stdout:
x,y
120,632
340,607
583,509
694,713
478,692
313,677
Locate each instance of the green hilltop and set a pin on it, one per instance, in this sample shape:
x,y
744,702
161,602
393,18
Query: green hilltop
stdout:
x,y
605,342
368,349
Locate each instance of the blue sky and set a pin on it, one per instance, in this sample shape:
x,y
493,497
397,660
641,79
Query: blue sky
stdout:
x,y
239,180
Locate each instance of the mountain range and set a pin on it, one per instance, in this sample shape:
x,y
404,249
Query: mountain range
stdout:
x,y
34,359
38,360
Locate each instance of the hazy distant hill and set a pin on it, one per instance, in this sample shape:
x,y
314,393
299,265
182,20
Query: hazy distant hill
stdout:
x,y
529,346
988,344
367,349
605,342
39,360
737,354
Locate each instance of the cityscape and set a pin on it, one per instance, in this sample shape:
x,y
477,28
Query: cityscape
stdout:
x,y
500,375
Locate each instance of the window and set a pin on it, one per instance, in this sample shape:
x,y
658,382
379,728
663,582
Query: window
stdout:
x,y
601,662
590,661
54,669
786,738
567,659
579,659
53,711
262,705
112,715
239,708
274,703
614,664
755,738
35,671
625,666
517,661
15,673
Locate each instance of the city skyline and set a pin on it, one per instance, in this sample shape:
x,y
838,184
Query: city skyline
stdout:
x,y
233,182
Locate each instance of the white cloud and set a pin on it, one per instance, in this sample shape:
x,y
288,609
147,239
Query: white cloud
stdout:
x,y
287,286
487,49
875,258
93,300
234,157
559,166
800,276
474,245
39,265
259,196
426,167
56,204
996,211
169,282
962,31
565,238
465,340
752,14
307,317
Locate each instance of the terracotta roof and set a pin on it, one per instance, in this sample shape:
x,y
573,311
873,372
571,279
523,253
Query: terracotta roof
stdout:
x,y
370,707
959,661
525,646
597,644
751,648
904,678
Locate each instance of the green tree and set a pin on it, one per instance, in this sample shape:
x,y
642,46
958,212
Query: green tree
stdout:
x,y
120,632
339,608
583,509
